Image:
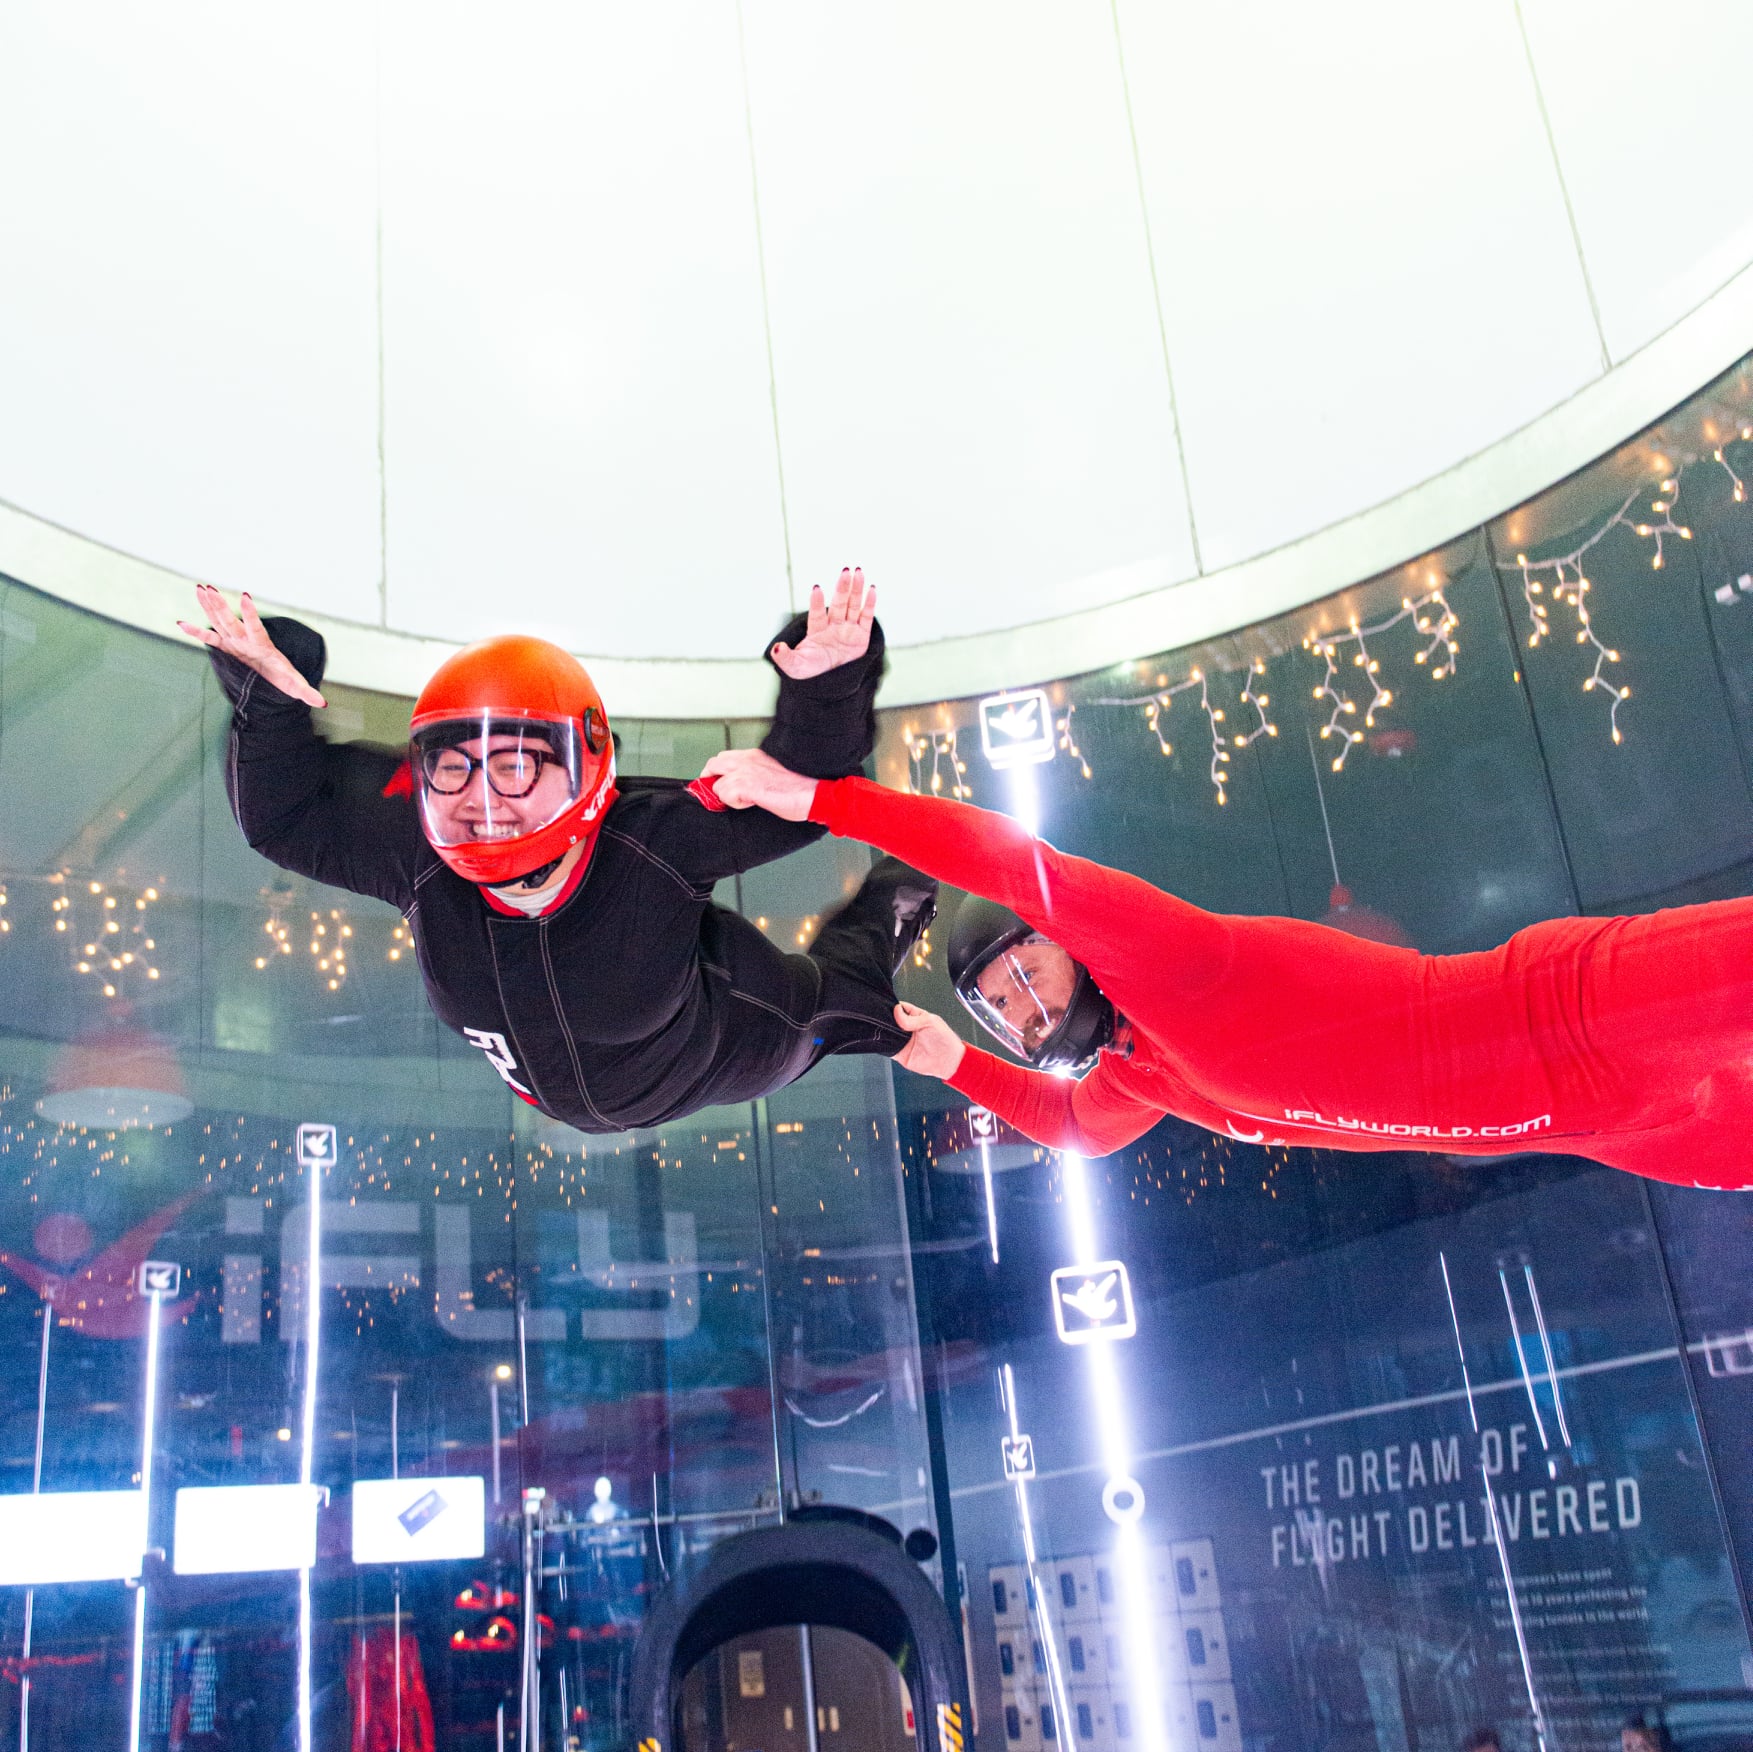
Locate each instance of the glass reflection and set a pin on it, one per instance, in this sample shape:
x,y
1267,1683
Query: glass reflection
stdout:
x,y
1416,1449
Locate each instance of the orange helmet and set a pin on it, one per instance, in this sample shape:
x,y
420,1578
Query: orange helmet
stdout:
x,y
512,758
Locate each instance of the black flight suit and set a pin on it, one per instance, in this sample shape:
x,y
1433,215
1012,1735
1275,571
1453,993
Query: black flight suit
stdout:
x,y
638,1000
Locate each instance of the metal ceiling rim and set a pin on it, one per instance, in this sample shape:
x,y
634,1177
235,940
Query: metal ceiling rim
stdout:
x,y
1163,615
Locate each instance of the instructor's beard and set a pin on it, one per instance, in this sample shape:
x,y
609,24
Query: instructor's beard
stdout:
x,y
1030,987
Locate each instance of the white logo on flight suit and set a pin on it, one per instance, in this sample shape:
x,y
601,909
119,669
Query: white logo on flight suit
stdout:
x,y
498,1055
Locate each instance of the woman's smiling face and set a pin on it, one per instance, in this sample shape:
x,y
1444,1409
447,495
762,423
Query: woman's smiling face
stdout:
x,y
480,813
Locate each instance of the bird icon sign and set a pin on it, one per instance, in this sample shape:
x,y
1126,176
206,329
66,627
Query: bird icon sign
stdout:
x,y
1016,729
1093,1303
316,1147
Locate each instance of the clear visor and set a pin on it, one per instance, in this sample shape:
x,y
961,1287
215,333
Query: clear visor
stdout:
x,y
486,780
1007,1004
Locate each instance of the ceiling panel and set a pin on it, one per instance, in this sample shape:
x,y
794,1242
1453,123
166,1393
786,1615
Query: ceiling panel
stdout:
x,y
578,425
1654,149
187,339
1366,269
972,397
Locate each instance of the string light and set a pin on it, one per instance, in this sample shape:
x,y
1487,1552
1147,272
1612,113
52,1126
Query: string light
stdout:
x,y
1155,705
1570,586
118,945
1665,505
1434,620
1259,702
1718,457
940,747
1571,591
330,935
1068,742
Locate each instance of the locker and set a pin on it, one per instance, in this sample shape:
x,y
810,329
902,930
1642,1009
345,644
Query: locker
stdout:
x,y
1092,1712
1021,1720
1072,1585
1194,1570
1207,1646
1010,1593
1215,1723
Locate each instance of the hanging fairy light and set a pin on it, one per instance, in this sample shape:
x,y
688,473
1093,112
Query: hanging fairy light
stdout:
x,y
1259,701
5,922
114,940
330,936
1432,618
1068,741
1740,486
328,943
1155,707
938,748
401,940
1569,586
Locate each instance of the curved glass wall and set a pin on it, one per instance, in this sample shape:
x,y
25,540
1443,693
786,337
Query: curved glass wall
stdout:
x,y
1402,1445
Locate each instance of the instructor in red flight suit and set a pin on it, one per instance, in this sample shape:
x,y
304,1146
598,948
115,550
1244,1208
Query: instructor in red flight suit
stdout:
x,y
1626,1040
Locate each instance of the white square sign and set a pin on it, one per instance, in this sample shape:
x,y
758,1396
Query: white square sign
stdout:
x,y
1016,729
1019,1456
242,1529
1093,1303
316,1148
160,1277
71,1536
418,1520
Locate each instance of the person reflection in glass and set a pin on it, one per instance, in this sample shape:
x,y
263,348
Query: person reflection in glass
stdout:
x,y
1627,1040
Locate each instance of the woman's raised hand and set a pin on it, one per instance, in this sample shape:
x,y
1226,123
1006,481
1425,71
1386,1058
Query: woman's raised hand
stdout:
x,y
838,632
243,636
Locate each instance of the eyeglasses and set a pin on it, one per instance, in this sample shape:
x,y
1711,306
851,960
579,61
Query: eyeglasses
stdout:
x,y
512,772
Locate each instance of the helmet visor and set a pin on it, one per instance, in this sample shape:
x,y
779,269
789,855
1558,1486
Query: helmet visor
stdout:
x,y
487,780
1006,1000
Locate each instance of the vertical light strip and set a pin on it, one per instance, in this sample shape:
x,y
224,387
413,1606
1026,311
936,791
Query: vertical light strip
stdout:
x,y
149,1438
991,1202
36,1486
313,1312
1522,1360
1546,1351
1132,1568
1503,1559
1038,1594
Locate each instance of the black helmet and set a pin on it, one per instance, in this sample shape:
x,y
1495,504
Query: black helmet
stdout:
x,y
984,930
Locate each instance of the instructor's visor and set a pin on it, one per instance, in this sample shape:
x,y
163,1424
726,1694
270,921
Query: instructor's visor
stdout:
x,y
1024,1024
487,780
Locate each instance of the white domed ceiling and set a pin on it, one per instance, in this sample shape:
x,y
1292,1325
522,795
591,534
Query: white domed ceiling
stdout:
x,y
1085,328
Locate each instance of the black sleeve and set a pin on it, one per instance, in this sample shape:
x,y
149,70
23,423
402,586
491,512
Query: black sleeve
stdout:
x,y
700,844
312,807
825,728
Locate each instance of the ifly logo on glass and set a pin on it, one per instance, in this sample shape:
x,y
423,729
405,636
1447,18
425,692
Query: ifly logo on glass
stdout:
x,y
1093,1303
159,1277
1019,1456
316,1148
1016,729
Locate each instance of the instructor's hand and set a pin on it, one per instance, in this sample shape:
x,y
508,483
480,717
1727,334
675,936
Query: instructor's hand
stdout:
x,y
839,631
244,637
749,778
935,1049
